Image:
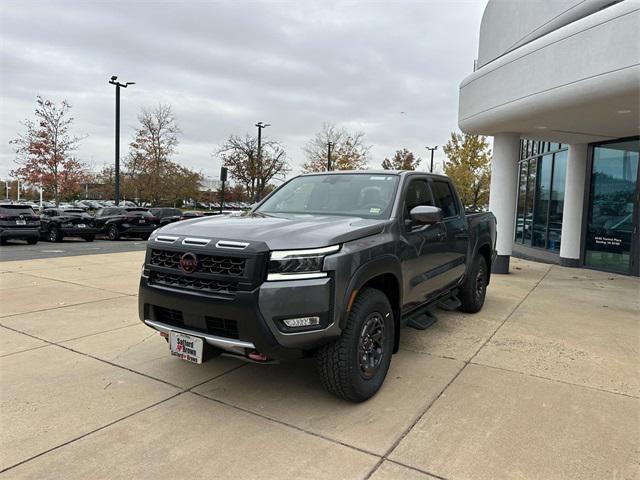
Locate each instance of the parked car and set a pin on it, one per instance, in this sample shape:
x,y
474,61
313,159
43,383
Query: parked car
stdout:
x,y
18,222
191,214
329,265
58,223
166,215
118,222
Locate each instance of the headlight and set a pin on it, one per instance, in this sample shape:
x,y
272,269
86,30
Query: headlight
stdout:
x,y
298,264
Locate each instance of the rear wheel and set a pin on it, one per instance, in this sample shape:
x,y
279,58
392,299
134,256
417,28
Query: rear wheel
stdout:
x,y
90,238
54,235
3,241
32,240
356,364
145,236
474,289
113,232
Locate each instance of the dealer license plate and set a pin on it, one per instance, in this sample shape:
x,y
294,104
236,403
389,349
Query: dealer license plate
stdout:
x,y
21,222
186,347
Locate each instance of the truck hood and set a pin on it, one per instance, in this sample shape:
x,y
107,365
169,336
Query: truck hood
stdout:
x,y
280,232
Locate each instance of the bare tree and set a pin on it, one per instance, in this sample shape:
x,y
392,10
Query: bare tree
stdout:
x,y
349,151
153,175
240,156
45,150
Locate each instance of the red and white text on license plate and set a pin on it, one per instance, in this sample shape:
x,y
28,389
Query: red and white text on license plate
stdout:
x,y
186,347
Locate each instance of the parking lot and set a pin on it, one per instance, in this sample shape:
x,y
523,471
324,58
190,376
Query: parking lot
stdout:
x,y
544,382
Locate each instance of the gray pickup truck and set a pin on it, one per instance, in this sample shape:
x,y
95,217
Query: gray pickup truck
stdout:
x,y
329,265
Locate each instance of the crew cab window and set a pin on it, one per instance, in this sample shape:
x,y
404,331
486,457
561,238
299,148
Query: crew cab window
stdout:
x,y
446,199
418,193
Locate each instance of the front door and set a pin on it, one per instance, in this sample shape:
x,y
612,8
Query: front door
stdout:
x,y
612,240
422,249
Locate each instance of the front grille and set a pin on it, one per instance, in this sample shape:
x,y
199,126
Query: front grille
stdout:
x,y
222,327
192,283
213,264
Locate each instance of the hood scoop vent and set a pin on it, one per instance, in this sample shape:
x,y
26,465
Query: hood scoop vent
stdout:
x,y
232,245
199,242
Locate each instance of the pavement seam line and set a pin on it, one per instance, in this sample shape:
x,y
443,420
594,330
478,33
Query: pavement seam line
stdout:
x,y
22,462
71,282
182,391
564,382
465,364
120,295
283,423
417,469
511,314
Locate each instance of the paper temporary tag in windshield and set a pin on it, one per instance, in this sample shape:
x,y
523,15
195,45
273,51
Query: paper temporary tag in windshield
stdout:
x,y
374,210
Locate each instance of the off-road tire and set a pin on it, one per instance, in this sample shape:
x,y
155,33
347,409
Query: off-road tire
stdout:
x,y
113,233
339,362
474,288
54,235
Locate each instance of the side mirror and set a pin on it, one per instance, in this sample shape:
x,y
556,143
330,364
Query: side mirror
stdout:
x,y
426,214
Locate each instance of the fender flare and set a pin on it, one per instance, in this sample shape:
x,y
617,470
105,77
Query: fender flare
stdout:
x,y
386,264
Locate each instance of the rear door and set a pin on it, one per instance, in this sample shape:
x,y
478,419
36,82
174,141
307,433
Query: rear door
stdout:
x,y
456,230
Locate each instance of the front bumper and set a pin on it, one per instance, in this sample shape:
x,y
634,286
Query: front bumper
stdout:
x,y
20,233
252,319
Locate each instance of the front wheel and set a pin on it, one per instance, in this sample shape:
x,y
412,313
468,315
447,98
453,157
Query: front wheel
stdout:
x,y
54,235
356,364
474,289
113,232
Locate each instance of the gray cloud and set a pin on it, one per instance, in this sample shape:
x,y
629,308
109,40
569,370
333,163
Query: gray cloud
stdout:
x,y
225,65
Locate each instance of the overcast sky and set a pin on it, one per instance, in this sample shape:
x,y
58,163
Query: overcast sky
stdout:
x,y
223,66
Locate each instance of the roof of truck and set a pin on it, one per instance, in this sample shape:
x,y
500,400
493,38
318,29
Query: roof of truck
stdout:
x,y
377,172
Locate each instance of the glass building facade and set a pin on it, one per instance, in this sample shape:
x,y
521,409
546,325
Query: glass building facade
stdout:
x,y
542,172
610,237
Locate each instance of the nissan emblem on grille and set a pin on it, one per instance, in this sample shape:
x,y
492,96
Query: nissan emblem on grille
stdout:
x,y
188,262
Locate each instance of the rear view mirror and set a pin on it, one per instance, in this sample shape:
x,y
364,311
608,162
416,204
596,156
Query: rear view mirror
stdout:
x,y
426,214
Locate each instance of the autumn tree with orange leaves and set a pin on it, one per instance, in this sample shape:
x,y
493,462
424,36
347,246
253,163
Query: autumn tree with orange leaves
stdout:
x,y
45,151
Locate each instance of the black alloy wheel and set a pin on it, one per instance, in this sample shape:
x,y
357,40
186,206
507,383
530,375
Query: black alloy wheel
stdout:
x,y
371,347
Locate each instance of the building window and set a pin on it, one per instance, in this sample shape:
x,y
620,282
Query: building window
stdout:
x,y
613,207
541,196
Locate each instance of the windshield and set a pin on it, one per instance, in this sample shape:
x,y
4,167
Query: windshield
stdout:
x,y
355,194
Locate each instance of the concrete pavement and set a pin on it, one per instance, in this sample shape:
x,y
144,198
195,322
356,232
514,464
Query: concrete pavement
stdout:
x,y
544,382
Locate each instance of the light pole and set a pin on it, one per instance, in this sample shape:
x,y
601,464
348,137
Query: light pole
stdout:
x,y
260,126
114,81
330,145
433,149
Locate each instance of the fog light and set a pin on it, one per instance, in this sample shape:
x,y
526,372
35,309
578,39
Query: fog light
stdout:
x,y
301,322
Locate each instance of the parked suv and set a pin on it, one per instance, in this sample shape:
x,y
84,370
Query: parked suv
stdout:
x,y
56,223
18,222
166,215
328,265
118,222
